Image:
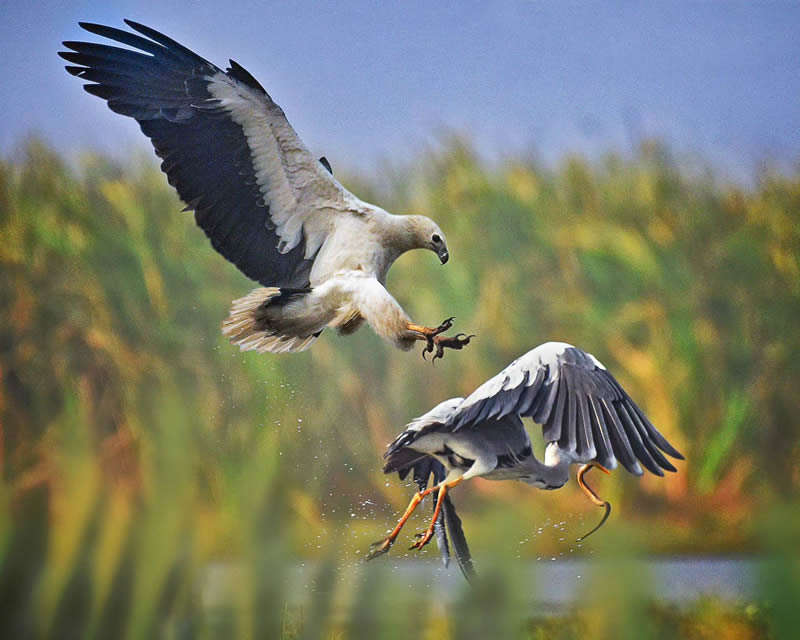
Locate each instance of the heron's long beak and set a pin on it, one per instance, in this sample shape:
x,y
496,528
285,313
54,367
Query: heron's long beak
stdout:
x,y
443,254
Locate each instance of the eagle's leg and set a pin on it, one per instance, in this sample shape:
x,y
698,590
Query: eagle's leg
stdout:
x,y
382,546
425,536
429,333
593,496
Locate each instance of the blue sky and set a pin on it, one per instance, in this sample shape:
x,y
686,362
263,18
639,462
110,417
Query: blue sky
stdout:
x,y
364,82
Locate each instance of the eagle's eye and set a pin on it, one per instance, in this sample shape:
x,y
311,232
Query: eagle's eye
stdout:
x,y
436,238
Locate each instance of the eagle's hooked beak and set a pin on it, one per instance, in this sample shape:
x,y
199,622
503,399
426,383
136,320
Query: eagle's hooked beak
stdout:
x,y
444,256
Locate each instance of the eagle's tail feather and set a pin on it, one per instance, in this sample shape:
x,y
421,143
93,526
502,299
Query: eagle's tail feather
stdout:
x,y
248,326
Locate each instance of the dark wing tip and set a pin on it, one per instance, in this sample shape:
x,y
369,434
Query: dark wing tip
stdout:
x,y
107,32
458,540
241,74
666,465
99,90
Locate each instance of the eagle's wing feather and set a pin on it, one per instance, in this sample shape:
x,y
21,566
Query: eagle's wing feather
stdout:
x,y
263,200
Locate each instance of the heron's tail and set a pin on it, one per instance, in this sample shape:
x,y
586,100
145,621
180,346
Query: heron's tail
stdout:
x,y
254,322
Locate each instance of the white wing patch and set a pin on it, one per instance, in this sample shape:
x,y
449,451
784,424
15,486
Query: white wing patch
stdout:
x,y
514,374
300,193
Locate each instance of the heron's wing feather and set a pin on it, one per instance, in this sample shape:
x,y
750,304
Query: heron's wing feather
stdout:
x,y
457,539
578,402
263,200
398,456
448,526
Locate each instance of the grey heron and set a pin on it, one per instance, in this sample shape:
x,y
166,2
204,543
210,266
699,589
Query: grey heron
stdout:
x,y
266,204
587,417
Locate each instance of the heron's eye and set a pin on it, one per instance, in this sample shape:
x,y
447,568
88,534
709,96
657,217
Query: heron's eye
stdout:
x,y
436,238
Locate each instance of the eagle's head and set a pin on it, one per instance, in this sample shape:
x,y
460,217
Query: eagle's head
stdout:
x,y
426,234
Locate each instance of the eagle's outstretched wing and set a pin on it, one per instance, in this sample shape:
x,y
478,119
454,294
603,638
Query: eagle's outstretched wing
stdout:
x,y
263,200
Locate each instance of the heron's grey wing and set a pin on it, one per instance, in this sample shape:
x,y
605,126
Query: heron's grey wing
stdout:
x,y
579,404
398,456
448,523
458,539
260,196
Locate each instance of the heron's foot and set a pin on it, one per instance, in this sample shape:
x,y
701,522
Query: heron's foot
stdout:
x,y
423,538
379,548
457,342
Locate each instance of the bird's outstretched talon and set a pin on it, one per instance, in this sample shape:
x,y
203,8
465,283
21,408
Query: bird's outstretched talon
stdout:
x,y
458,341
447,324
423,538
429,334
379,548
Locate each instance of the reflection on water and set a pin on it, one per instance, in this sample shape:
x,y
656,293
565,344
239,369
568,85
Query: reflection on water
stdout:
x,y
554,585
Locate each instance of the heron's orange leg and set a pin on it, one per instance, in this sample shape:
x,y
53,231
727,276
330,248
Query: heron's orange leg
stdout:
x,y
425,537
382,546
593,496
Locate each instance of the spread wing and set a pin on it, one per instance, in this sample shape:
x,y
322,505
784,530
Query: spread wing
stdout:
x,y
579,404
264,201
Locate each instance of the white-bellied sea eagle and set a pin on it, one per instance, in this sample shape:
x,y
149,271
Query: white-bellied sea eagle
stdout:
x,y
267,205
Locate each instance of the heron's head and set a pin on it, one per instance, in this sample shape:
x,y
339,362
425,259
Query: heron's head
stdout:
x,y
427,235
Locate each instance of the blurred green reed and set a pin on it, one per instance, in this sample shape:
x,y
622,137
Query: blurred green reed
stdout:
x,y
158,483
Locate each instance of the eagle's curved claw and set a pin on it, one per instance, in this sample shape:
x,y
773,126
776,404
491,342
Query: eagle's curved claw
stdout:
x,y
444,326
429,335
458,341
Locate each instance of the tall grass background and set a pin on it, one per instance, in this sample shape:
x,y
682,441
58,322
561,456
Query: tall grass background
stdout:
x,y
156,482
